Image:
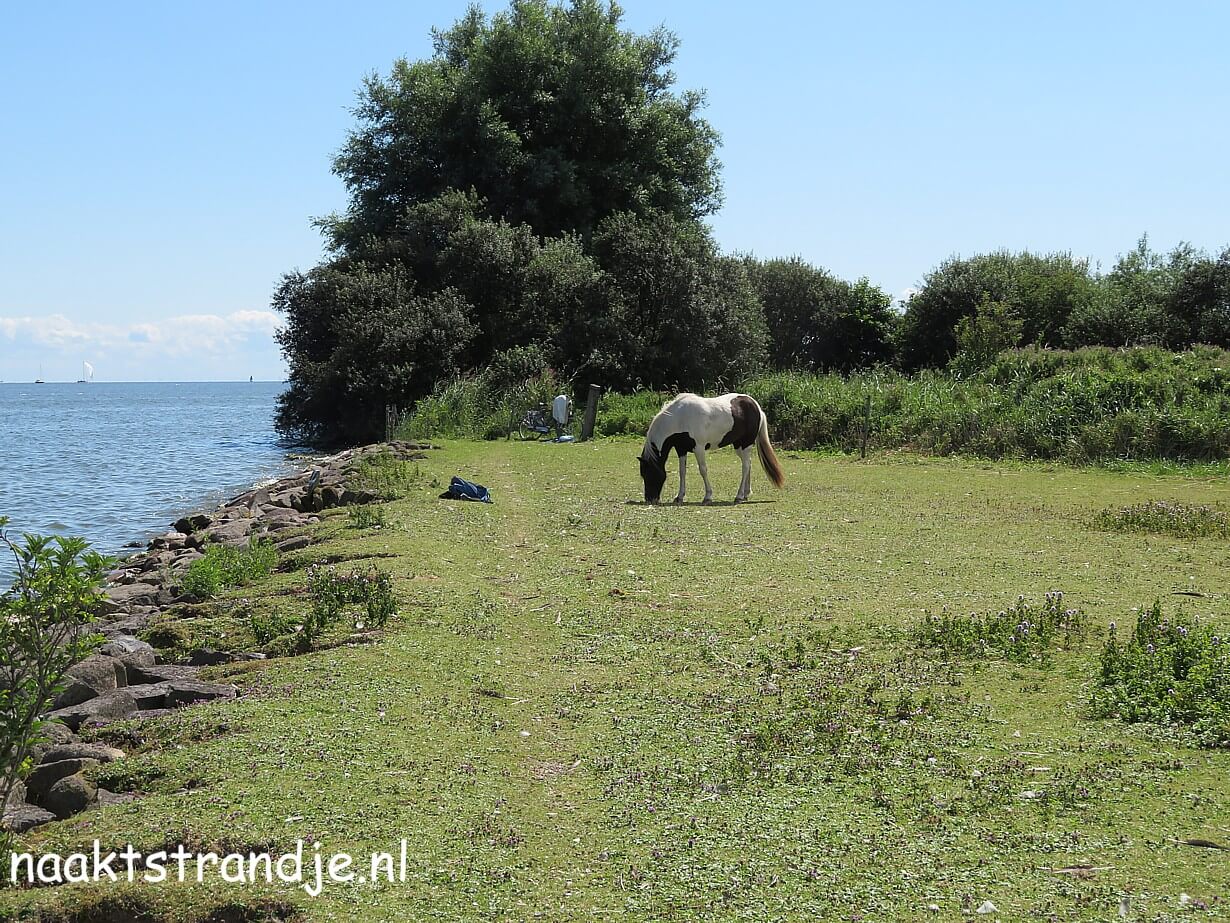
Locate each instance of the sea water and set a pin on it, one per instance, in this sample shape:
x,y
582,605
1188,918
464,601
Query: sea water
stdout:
x,y
118,462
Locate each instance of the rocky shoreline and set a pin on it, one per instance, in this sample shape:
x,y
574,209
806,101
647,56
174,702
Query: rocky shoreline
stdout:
x,y
125,678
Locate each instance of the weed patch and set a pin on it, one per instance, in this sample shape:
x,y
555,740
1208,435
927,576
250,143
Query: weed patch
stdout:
x,y
366,516
1170,671
224,566
1166,517
334,593
386,477
1022,633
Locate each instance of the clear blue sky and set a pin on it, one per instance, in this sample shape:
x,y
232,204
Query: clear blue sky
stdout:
x,y
159,163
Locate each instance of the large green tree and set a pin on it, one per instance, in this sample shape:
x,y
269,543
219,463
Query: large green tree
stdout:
x,y
819,322
496,192
553,114
1037,292
1149,298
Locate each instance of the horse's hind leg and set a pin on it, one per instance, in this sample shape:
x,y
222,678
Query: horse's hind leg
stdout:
x,y
745,484
683,477
704,473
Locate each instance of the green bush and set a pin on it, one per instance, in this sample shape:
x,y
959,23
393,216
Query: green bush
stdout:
x,y
385,476
269,626
487,405
1086,406
44,617
333,593
1171,671
1166,517
366,516
225,566
1023,632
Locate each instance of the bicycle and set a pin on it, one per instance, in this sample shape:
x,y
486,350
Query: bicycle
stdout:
x,y
539,421
535,423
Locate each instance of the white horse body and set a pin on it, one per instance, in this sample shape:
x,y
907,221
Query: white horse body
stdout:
x,y
690,423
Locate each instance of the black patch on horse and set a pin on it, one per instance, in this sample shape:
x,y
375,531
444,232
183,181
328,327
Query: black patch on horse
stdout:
x,y
747,423
678,442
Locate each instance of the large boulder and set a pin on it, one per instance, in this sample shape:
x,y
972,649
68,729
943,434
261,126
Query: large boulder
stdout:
x,y
21,816
126,626
45,775
83,751
158,560
130,651
92,677
192,523
184,558
203,657
294,543
172,541
160,673
188,692
124,595
111,706
71,795
232,533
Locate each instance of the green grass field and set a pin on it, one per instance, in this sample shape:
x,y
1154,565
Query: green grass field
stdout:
x,y
588,708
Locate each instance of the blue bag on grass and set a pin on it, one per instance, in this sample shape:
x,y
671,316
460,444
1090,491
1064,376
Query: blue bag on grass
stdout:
x,y
461,489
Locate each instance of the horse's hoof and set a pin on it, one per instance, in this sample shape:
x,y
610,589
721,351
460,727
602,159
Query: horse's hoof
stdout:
x,y
740,499
707,501
677,501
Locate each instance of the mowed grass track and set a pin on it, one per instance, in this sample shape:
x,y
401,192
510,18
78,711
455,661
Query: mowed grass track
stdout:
x,y
589,708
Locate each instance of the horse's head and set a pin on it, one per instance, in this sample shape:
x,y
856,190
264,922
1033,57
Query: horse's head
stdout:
x,y
653,473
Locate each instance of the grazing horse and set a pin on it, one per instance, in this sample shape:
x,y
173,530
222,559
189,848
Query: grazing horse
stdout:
x,y
690,423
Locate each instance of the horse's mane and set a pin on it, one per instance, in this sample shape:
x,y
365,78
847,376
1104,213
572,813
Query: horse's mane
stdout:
x,y
650,451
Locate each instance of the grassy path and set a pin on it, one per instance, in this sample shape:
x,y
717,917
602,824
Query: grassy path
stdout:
x,y
589,708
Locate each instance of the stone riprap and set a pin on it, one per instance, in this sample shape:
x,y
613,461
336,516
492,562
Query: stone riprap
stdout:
x,y
124,678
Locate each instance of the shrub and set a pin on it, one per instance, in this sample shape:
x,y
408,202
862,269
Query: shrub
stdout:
x,y
366,516
386,476
269,626
43,621
1167,517
333,593
225,566
1171,671
819,322
486,405
1023,632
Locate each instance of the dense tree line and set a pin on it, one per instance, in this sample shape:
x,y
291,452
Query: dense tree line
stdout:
x,y
534,193
967,310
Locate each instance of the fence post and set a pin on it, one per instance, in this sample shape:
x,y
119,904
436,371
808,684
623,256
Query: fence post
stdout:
x,y
591,412
862,451
390,421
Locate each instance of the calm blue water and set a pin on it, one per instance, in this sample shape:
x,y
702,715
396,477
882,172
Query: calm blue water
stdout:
x,y
118,462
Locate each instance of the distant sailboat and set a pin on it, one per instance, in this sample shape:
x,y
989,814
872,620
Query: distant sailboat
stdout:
x,y
39,380
87,374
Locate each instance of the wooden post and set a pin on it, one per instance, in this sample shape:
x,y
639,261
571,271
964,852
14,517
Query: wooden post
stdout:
x,y
390,421
591,412
862,452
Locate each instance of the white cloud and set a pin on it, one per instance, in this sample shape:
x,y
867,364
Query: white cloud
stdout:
x,y
186,335
194,345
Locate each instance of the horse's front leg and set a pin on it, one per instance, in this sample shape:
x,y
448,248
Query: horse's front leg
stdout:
x,y
683,477
704,474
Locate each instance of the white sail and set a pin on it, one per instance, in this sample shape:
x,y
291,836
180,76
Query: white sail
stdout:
x,y
87,371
